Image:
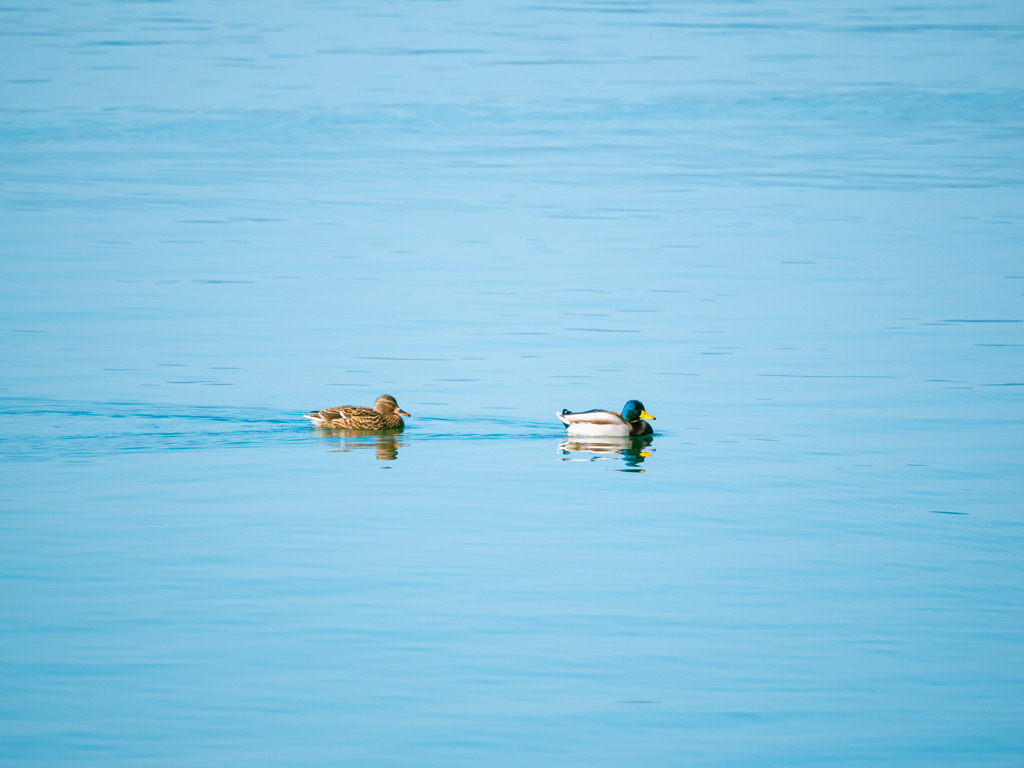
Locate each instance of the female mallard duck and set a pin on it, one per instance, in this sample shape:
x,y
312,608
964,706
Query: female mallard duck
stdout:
x,y
609,423
385,414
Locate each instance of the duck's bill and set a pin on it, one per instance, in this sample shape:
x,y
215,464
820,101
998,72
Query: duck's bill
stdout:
x,y
646,415
400,412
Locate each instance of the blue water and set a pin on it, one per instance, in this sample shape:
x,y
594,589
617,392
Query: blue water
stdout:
x,y
793,230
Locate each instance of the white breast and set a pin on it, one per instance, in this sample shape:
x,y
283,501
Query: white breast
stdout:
x,y
590,429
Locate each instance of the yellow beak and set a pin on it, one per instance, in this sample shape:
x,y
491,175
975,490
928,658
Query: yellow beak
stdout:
x,y
646,415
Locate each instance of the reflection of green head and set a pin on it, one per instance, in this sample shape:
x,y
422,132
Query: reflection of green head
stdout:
x,y
634,411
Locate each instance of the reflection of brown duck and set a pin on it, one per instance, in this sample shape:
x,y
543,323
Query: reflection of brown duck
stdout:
x,y
633,450
385,414
386,445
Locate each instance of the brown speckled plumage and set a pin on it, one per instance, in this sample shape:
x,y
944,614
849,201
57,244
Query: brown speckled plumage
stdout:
x,y
385,414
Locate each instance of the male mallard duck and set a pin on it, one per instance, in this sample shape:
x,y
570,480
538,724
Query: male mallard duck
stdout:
x,y
385,414
595,423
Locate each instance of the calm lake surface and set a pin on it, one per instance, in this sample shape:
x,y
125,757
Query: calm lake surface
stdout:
x,y
793,230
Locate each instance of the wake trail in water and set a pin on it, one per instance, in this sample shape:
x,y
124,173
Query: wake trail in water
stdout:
x,y
40,429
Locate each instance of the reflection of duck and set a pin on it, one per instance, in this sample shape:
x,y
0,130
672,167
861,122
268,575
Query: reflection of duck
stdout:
x,y
633,450
386,445
609,423
385,414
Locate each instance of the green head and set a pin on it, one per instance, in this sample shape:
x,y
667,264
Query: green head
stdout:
x,y
634,411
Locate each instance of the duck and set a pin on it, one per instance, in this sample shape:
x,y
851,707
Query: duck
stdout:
x,y
609,423
385,414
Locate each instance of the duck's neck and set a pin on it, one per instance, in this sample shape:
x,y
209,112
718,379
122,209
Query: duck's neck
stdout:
x,y
639,427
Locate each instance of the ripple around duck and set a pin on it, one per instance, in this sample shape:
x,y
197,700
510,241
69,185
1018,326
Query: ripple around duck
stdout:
x,y
74,429
81,430
482,428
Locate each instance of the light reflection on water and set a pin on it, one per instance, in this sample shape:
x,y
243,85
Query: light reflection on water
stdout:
x,y
793,231
384,445
632,450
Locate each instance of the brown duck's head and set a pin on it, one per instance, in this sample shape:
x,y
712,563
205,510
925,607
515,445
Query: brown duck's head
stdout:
x,y
386,404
